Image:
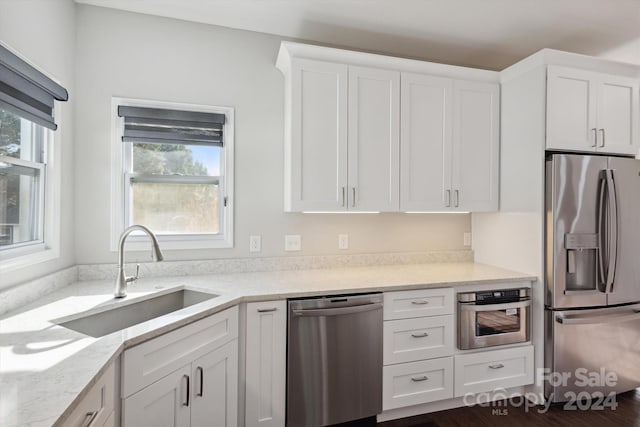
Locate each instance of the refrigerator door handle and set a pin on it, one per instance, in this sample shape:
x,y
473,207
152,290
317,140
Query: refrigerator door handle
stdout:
x,y
601,231
612,232
578,319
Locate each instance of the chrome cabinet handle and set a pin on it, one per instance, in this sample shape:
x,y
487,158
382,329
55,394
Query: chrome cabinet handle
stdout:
x,y
418,379
200,372
88,418
496,366
422,335
267,310
421,302
353,202
448,204
602,142
186,402
343,196
457,194
595,137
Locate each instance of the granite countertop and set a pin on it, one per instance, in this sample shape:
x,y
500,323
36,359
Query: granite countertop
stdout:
x,y
45,368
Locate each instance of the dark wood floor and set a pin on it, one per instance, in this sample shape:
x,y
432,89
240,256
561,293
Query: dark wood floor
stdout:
x,y
627,413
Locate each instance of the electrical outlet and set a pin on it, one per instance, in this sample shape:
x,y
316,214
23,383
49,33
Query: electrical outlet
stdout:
x,y
255,243
343,241
292,242
467,239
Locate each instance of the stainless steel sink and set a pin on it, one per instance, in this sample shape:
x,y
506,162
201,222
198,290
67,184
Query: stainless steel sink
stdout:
x,y
124,316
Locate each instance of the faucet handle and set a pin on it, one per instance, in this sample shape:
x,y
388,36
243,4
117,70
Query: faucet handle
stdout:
x,y
133,278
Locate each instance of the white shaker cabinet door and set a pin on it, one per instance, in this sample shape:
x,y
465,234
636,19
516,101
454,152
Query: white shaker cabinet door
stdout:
x,y
316,154
571,109
165,403
425,142
266,364
374,140
476,146
215,388
618,114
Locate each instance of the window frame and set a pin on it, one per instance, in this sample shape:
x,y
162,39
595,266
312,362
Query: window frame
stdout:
x,y
121,176
47,247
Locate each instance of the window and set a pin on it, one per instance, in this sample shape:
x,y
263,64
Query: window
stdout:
x,y
22,174
176,173
29,184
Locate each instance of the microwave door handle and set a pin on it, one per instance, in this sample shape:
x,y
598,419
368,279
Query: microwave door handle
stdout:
x,y
493,307
601,231
612,232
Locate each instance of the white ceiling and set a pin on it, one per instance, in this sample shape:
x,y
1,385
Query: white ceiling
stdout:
x,y
482,33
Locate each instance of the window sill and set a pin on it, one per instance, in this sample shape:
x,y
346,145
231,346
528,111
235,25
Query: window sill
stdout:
x,y
170,243
39,254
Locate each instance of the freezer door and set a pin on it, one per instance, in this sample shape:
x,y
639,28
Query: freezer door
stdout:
x,y
574,184
626,275
592,351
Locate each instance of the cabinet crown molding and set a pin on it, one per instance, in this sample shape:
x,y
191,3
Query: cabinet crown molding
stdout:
x,y
290,50
545,57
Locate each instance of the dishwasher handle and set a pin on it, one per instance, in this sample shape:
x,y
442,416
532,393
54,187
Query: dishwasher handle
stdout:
x,y
338,311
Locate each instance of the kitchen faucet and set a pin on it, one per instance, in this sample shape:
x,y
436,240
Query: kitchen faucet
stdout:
x,y
122,280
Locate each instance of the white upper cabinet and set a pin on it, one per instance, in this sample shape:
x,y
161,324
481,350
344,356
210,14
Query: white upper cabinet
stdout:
x,y
344,143
369,133
374,149
476,145
592,112
316,171
450,144
426,142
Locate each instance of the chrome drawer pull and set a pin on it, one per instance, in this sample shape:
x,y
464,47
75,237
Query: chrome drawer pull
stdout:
x,y
418,379
88,418
267,310
421,302
496,366
422,335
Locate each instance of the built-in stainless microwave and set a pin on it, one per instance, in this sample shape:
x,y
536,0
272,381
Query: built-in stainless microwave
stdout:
x,y
489,318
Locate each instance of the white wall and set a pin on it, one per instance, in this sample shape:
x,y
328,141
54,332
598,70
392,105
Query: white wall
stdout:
x,y
628,52
136,56
43,31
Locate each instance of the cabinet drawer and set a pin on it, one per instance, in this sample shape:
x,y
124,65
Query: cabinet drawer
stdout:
x,y
156,358
97,405
424,302
494,369
409,340
414,383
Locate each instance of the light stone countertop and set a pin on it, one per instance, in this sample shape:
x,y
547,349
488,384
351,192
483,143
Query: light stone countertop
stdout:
x,y
45,369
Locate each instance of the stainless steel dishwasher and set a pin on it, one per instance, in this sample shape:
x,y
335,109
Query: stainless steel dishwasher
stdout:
x,y
334,359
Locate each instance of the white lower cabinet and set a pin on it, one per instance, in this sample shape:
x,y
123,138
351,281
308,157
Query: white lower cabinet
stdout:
x,y
187,377
215,388
418,345
406,340
164,403
97,406
265,379
414,383
495,369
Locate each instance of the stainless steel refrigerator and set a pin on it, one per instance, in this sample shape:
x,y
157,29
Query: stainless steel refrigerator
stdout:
x,y
592,303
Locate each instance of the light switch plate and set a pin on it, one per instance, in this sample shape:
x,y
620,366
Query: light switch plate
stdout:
x,y
292,242
255,243
467,239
